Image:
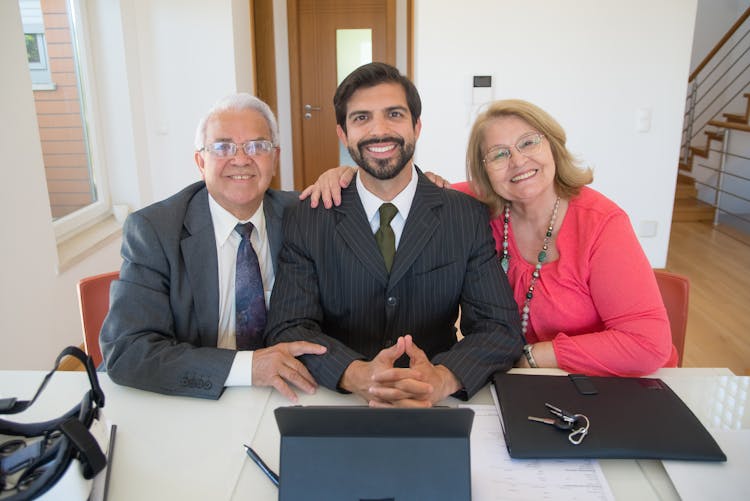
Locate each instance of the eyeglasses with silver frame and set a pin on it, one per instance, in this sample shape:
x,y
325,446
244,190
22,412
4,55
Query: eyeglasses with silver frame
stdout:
x,y
254,148
498,157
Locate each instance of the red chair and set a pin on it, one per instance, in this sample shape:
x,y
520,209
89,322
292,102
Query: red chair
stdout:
x,y
675,292
93,300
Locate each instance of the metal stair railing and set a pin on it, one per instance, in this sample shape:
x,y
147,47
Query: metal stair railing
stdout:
x,y
716,86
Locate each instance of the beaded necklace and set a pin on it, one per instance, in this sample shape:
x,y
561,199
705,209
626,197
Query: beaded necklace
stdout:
x,y
541,258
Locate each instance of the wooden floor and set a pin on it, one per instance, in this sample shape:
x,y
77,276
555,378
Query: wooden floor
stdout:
x,y
717,261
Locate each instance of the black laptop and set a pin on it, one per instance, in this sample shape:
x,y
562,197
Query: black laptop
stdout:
x,y
365,454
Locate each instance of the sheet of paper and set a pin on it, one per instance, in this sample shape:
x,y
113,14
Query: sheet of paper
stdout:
x,y
702,480
496,476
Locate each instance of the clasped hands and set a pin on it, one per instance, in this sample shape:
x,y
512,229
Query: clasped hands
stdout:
x,y
422,384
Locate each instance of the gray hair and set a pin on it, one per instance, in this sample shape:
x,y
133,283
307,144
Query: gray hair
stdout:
x,y
237,102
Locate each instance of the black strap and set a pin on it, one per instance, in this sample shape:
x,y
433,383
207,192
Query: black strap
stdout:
x,y
13,406
6,404
91,455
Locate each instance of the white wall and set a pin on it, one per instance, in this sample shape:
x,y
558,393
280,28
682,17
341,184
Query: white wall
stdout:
x,y
591,64
186,55
164,62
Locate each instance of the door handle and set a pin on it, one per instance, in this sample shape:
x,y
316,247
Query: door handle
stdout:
x,y
310,107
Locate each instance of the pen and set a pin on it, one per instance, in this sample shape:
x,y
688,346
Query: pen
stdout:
x,y
263,466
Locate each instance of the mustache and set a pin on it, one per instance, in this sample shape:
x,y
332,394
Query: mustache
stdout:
x,y
378,140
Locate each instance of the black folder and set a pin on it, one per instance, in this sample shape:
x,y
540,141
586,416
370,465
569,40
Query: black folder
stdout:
x,y
361,453
630,418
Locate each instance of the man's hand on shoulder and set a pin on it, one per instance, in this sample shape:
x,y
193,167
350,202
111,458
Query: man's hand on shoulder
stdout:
x,y
278,366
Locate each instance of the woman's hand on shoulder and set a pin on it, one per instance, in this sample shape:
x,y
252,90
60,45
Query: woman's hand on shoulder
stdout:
x,y
437,180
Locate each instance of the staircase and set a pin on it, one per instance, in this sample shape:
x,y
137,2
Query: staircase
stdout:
x,y
687,207
712,169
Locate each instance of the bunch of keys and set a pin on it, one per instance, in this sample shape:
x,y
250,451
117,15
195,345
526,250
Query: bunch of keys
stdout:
x,y
577,424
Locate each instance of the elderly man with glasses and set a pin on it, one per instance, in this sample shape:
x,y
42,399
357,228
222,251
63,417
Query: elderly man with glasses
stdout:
x,y
188,313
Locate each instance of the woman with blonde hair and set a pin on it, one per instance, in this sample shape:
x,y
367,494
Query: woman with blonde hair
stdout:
x,y
587,295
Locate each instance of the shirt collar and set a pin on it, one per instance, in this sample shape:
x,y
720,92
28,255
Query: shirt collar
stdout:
x,y
224,221
402,201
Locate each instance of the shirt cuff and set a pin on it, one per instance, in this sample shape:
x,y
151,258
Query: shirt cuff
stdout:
x,y
241,373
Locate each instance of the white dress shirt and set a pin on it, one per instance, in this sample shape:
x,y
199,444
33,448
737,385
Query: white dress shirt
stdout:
x,y
402,201
227,243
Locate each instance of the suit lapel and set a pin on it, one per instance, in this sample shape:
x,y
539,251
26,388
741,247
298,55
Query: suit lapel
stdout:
x,y
274,213
201,263
420,225
354,229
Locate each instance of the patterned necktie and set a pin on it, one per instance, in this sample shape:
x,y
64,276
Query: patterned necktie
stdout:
x,y
248,294
385,237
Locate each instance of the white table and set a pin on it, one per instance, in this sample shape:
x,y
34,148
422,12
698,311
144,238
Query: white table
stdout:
x,y
191,449
166,448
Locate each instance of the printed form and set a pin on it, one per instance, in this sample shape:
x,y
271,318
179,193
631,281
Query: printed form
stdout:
x,y
496,476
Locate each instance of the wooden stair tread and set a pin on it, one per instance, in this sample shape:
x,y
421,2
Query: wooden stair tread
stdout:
x,y
684,178
730,125
692,209
685,191
732,117
683,166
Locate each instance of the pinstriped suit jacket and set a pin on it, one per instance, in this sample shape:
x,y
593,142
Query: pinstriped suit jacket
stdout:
x,y
332,287
162,328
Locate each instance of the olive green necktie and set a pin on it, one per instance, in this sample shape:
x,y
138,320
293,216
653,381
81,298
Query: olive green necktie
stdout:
x,y
384,236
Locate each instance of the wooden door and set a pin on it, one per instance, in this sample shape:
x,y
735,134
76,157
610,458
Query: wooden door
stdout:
x,y
313,29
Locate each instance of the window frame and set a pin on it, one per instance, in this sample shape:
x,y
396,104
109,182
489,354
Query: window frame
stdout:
x,y
71,224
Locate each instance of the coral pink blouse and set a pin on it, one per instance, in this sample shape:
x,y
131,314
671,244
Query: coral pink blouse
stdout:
x,y
598,303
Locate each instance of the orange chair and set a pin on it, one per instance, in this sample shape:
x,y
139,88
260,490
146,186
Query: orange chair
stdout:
x,y
93,300
675,292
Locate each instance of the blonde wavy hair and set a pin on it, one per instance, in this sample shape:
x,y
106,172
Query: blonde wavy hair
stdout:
x,y
569,175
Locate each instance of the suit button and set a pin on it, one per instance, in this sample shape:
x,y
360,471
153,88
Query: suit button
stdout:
x,y
391,301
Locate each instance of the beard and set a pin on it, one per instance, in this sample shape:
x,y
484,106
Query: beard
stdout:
x,y
383,168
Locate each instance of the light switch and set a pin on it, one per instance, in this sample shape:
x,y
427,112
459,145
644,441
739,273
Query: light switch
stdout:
x,y
643,119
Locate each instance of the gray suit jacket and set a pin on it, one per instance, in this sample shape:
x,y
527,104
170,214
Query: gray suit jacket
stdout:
x,y
161,330
332,287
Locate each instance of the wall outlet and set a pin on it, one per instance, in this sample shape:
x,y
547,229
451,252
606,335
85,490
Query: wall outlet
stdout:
x,y
647,228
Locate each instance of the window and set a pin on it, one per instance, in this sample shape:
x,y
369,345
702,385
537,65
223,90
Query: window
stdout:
x,y
37,54
36,47
56,47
